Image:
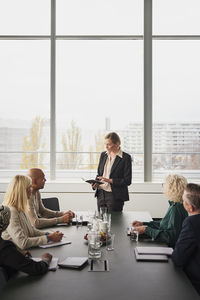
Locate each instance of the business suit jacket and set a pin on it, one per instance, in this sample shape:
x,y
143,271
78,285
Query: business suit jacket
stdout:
x,y
22,233
187,250
121,174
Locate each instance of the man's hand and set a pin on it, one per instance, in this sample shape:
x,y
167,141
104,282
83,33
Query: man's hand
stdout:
x,y
69,212
136,223
55,236
66,218
47,257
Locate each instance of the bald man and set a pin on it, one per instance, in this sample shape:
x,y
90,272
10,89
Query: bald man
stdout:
x,y
39,215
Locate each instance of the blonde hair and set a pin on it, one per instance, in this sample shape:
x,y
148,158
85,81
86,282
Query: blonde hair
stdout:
x,y
114,137
16,194
174,187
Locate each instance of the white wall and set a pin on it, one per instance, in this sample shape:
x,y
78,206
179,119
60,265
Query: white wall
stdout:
x,y
79,196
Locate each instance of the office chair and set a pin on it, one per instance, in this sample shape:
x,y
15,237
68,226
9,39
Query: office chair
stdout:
x,y
51,203
3,278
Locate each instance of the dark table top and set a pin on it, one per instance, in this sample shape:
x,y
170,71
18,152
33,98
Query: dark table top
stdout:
x,y
127,278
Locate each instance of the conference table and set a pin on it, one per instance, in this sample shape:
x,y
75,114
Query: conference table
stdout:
x,y
127,278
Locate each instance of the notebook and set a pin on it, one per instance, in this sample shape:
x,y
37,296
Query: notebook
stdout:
x,y
51,244
155,250
53,264
150,257
73,262
92,181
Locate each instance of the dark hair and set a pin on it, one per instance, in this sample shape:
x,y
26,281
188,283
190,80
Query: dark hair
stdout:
x,y
114,137
193,195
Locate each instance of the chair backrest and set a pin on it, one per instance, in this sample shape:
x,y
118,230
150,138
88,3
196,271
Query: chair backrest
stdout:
x,y
3,278
51,203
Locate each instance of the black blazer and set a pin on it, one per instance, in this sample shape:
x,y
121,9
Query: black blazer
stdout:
x,y
187,250
121,174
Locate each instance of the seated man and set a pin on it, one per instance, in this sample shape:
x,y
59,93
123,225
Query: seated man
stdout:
x,y
39,215
187,250
11,259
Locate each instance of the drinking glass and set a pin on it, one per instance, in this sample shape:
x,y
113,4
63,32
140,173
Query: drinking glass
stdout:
x,y
94,245
79,220
134,236
110,238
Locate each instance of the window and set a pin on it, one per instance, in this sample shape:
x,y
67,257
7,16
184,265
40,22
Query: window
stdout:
x,y
25,109
99,87
175,88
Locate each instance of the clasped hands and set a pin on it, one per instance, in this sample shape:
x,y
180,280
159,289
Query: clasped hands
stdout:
x,y
68,216
137,225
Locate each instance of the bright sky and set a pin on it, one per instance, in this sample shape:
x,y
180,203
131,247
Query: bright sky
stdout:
x,y
98,79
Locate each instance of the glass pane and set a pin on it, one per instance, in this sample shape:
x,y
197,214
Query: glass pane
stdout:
x,y
24,17
180,17
99,17
176,90
24,94
99,89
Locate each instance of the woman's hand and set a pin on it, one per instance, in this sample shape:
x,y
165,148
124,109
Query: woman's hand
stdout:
x,y
103,179
55,236
140,229
137,223
94,186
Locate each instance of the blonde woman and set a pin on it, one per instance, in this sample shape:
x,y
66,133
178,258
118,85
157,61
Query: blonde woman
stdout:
x,y
168,229
20,231
115,174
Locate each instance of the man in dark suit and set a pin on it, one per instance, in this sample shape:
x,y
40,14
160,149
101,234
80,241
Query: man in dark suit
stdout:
x,y
115,171
187,250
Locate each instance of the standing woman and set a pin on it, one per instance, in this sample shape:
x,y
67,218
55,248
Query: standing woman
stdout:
x,y
115,171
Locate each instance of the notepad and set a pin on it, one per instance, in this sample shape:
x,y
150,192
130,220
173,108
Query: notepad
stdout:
x,y
51,244
92,181
150,257
53,264
155,250
73,262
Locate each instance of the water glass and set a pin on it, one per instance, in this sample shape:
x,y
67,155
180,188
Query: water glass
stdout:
x,y
94,245
79,220
134,236
103,210
110,238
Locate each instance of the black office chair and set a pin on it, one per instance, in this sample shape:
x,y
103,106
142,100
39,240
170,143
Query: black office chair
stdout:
x,y
51,203
3,278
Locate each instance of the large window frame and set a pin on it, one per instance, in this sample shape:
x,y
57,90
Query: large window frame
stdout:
x,y
147,38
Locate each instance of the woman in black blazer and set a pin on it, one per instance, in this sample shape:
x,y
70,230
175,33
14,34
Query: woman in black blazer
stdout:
x,y
115,171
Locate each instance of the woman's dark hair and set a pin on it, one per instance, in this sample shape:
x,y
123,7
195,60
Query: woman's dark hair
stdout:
x,y
193,195
114,137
